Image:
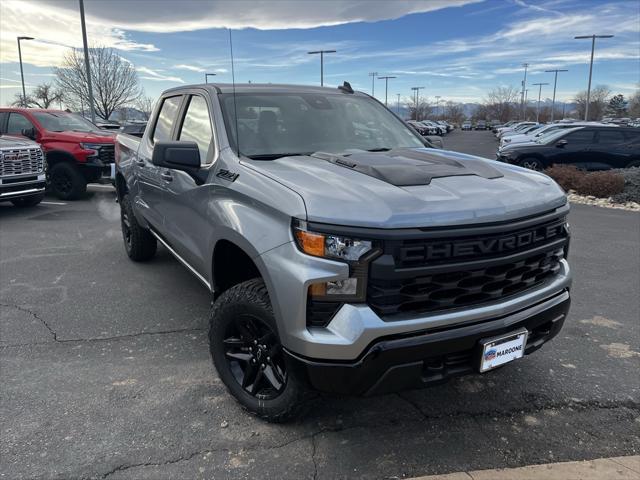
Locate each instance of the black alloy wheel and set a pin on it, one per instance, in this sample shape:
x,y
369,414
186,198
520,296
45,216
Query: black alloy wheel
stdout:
x,y
254,356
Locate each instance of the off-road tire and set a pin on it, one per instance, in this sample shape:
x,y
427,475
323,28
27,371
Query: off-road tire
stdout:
x,y
30,201
139,243
251,299
67,182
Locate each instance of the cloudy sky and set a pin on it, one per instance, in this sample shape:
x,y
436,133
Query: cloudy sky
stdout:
x,y
457,49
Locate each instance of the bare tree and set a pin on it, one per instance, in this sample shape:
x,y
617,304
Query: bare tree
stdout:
x,y
454,112
43,96
423,110
597,102
145,105
634,105
502,103
114,80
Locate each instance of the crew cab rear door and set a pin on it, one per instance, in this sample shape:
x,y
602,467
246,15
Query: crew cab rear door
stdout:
x,y
187,227
151,178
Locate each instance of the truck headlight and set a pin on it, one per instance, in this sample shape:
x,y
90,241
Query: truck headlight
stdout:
x,y
329,246
356,252
91,147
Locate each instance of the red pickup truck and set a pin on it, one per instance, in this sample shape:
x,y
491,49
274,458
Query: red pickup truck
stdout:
x,y
77,152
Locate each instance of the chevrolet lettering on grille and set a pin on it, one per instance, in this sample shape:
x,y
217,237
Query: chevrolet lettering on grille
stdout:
x,y
486,246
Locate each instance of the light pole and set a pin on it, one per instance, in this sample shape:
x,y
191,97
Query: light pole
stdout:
x,y
321,52
526,92
593,47
207,75
398,106
438,97
555,82
386,87
86,62
373,76
24,93
539,93
417,94
524,86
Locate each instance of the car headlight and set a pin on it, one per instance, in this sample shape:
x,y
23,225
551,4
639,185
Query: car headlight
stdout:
x,y
356,252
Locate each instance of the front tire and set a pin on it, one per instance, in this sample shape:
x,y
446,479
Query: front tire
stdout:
x,y
532,164
67,183
248,356
139,243
30,201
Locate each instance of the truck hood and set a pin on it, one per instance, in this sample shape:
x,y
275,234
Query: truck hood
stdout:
x,y
414,188
84,137
9,141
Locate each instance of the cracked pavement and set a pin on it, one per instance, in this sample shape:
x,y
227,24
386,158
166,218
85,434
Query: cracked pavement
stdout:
x,y
105,372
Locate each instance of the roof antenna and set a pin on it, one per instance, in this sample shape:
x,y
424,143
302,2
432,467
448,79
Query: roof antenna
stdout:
x,y
235,107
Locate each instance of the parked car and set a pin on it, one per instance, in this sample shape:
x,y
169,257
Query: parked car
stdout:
x,y
22,171
481,125
135,129
541,130
448,127
519,128
505,125
466,126
338,260
420,127
589,148
77,152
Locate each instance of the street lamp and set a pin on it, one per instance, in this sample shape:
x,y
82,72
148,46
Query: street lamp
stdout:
x,y
524,86
87,65
555,82
398,103
438,97
386,85
24,93
539,93
373,76
207,75
593,47
416,95
321,52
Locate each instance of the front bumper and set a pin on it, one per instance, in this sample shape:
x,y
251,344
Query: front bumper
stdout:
x,y
432,356
23,186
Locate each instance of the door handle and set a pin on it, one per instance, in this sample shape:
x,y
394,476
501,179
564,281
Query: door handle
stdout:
x,y
166,176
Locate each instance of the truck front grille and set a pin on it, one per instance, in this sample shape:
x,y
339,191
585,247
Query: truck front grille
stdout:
x,y
21,161
441,273
106,153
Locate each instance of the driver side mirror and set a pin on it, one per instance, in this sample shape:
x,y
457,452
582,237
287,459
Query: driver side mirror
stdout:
x,y
29,133
177,155
561,143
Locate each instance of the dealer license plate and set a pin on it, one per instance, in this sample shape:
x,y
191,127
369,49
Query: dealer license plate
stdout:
x,y
497,351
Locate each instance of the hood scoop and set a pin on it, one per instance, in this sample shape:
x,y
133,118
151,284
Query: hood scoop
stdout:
x,y
405,168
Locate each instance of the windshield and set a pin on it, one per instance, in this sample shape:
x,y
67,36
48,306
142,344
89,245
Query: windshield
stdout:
x,y
273,125
547,129
64,122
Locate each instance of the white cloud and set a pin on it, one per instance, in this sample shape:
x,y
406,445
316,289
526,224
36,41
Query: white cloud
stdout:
x,y
188,15
56,30
193,68
157,75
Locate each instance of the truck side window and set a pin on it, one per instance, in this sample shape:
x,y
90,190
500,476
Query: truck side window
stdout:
x,y
17,123
166,119
196,127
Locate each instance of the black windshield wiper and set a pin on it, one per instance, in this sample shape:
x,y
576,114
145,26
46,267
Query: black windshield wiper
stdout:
x,y
275,156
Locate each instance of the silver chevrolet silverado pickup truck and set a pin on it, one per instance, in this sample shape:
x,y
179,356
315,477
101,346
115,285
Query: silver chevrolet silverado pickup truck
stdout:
x,y
22,171
342,253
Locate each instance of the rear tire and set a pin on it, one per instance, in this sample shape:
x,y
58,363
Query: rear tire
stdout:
x,y
67,183
30,201
246,351
139,243
532,164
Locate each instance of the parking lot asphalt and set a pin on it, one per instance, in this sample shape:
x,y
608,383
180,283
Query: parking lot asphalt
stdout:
x,y
105,370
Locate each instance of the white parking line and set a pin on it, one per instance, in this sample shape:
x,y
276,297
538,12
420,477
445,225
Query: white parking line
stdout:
x,y
52,203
